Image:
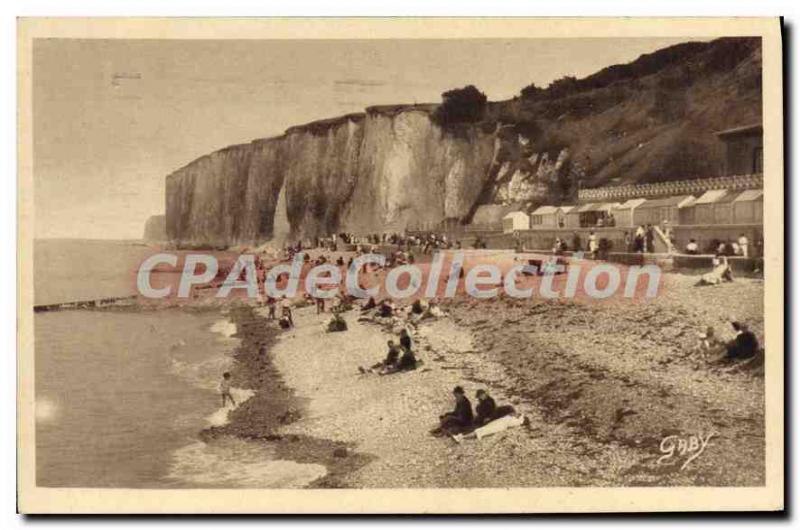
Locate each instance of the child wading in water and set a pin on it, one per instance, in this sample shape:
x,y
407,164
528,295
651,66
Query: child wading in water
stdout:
x,y
225,388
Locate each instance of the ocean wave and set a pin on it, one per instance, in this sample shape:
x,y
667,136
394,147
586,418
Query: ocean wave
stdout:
x,y
219,417
232,462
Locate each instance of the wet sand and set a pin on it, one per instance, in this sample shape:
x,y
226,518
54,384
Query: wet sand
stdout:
x,y
274,404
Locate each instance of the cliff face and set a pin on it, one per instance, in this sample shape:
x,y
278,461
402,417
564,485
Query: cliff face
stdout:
x,y
395,167
206,201
155,229
372,172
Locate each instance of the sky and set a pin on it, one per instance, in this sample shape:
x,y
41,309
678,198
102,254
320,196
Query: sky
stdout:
x,y
112,118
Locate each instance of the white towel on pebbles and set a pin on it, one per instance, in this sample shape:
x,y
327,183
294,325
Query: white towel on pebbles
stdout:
x,y
499,425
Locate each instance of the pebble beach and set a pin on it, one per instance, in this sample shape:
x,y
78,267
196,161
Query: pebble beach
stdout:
x,y
602,385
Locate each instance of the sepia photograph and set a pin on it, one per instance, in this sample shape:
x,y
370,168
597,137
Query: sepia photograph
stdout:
x,y
400,265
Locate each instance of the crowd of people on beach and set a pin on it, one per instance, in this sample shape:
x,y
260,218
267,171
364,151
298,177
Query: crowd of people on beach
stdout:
x,y
642,241
426,242
401,356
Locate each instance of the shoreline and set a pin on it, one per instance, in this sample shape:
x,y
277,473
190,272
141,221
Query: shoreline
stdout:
x,y
600,394
274,404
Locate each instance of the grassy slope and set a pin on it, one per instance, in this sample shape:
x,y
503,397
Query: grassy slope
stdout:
x,y
651,120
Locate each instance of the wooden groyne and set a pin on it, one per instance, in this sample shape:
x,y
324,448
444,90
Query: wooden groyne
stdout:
x,y
83,304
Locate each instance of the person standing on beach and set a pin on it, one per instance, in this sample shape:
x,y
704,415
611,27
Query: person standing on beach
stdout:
x,y
576,242
593,246
649,237
286,310
743,245
225,389
261,274
271,307
638,239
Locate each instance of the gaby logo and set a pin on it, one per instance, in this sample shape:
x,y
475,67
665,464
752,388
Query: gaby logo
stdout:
x,y
445,276
678,446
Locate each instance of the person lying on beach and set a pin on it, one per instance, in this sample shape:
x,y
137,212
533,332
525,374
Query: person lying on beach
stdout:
x,y
225,389
487,410
720,273
493,427
459,421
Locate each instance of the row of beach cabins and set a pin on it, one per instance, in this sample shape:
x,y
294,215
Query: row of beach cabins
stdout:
x,y
714,207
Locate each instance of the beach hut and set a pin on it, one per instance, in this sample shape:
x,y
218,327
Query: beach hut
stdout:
x,y
607,214
573,217
748,207
686,213
714,207
656,211
545,217
623,213
588,215
516,221
561,215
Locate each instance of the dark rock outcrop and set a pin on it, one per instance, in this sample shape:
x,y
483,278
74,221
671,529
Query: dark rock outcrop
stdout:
x,y
155,229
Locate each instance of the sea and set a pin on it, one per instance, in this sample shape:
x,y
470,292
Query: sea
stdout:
x,y
122,396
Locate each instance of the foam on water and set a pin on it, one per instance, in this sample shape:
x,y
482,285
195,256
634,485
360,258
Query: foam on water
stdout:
x,y
232,462
201,374
160,370
220,416
226,328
